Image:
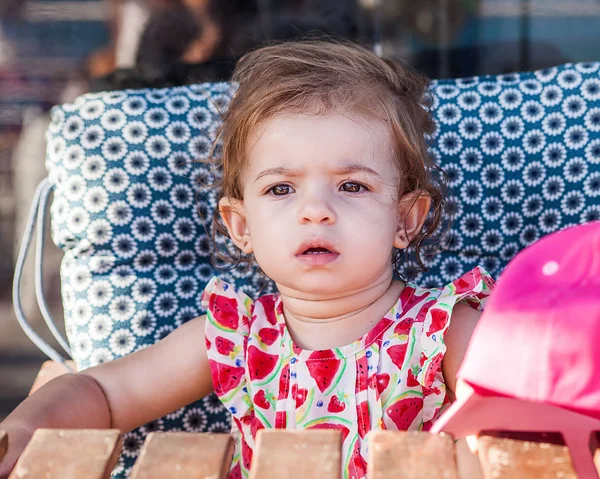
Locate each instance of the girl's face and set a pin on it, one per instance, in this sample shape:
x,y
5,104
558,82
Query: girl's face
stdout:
x,y
321,211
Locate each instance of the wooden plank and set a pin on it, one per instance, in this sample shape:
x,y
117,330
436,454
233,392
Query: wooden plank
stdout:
x,y
49,371
302,454
69,454
169,455
467,462
3,444
411,455
522,455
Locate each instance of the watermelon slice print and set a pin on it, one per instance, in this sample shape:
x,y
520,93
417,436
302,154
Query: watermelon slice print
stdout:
x,y
404,410
284,382
224,346
236,472
467,282
268,304
423,311
355,464
260,364
364,422
435,365
268,335
397,353
225,377
403,326
331,422
323,367
439,319
224,312
246,455
379,328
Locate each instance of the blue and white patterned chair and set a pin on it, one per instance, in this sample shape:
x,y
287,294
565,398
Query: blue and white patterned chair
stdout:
x,y
522,152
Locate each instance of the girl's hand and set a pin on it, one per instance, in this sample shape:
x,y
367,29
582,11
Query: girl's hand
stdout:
x,y
18,437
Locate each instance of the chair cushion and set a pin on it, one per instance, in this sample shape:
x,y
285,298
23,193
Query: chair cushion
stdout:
x,y
522,152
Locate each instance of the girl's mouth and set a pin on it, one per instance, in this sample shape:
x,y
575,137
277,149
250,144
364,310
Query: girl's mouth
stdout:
x,y
317,251
317,256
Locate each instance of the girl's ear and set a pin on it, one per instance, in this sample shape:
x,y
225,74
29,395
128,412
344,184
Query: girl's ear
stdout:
x,y
413,209
232,214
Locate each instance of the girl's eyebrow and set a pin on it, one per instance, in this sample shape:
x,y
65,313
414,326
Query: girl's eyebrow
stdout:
x,y
279,170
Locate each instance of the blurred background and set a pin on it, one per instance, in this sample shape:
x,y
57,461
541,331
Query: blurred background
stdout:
x,y
53,50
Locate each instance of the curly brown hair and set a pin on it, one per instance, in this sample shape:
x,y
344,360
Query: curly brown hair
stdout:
x,y
319,77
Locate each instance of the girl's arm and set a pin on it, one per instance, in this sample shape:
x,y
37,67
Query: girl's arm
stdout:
x,y
121,394
458,335
156,380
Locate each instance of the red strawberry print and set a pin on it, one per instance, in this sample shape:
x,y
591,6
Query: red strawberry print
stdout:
x,y
411,379
323,367
299,395
224,345
260,364
268,335
261,400
335,405
397,353
207,342
225,377
404,411
224,311
439,319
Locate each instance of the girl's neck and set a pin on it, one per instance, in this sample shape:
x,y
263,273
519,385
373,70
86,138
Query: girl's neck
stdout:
x,y
335,322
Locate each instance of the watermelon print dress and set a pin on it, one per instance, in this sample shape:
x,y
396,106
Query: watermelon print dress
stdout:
x,y
389,379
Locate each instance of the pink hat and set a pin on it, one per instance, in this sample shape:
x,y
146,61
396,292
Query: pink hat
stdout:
x,y
534,359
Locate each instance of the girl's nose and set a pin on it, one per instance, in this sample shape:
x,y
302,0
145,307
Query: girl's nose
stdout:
x,y
316,209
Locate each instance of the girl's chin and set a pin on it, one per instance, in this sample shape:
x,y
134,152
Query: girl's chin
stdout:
x,y
320,285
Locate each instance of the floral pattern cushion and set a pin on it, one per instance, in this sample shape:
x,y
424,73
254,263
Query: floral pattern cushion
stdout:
x,y
522,152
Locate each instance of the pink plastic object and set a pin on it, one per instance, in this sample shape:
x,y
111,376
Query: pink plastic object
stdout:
x,y
534,359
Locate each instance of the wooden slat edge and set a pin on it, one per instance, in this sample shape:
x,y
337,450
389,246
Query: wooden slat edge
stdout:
x,y
69,454
507,458
297,453
411,455
169,455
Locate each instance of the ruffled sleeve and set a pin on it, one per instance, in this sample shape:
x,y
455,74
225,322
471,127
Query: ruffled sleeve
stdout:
x,y
472,288
228,312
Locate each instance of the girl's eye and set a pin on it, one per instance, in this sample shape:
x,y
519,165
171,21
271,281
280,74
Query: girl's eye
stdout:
x,y
351,187
279,190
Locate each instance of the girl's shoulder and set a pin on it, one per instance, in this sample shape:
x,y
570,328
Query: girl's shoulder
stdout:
x,y
472,288
422,316
231,309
